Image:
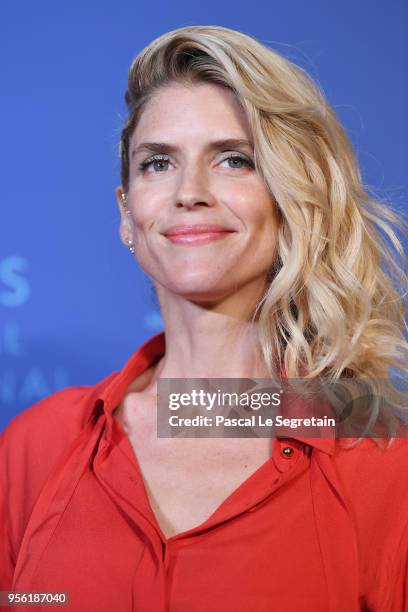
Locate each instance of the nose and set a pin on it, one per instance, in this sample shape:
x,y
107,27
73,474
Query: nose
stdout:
x,y
193,188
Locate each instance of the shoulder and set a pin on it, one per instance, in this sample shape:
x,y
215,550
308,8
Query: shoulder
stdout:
x,y
33,444
34,440
48,415
369,480
387,459
374,479
48,423
56,416
374,474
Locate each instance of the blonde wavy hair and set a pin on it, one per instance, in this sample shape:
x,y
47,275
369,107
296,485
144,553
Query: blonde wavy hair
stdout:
x,y
334,304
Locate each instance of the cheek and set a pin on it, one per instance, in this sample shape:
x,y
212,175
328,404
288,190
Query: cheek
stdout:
x,y
148,204
264,206
255,207
144,215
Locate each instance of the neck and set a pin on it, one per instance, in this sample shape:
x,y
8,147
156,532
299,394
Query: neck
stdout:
x,y
215,341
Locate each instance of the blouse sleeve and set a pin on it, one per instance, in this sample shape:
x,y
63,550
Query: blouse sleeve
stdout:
x,y
6,555
30,446
399,586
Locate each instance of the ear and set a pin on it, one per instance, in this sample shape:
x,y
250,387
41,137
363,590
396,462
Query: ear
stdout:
x,y
125,227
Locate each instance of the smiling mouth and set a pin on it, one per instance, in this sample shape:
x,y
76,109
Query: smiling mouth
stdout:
x,y
195,239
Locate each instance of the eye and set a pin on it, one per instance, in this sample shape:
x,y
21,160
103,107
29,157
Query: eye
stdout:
x,y
159,163
237,161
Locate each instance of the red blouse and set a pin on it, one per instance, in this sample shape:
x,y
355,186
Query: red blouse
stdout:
x,y
323,529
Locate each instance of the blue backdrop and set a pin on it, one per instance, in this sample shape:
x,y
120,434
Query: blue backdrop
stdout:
x,y
73,303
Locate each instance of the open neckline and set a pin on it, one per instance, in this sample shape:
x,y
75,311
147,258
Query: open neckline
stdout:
x,y
258,474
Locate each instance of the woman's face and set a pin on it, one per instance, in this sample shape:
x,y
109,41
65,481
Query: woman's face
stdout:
x,y
191,163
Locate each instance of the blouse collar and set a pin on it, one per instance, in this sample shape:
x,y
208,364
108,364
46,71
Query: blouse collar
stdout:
x,y
109,392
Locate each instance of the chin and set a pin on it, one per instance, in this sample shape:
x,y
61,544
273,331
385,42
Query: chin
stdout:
x,y
197,290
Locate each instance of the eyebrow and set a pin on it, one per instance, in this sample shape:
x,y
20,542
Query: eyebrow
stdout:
x,y
163,147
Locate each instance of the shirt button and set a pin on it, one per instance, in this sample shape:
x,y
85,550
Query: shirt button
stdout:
x,y
287,451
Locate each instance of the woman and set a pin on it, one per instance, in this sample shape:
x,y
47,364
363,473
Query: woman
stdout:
x,y
241,199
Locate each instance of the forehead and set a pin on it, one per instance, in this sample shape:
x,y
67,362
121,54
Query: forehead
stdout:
x,y
194,109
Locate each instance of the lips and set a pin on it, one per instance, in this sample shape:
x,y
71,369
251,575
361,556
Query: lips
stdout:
x,y
197,235
191,230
